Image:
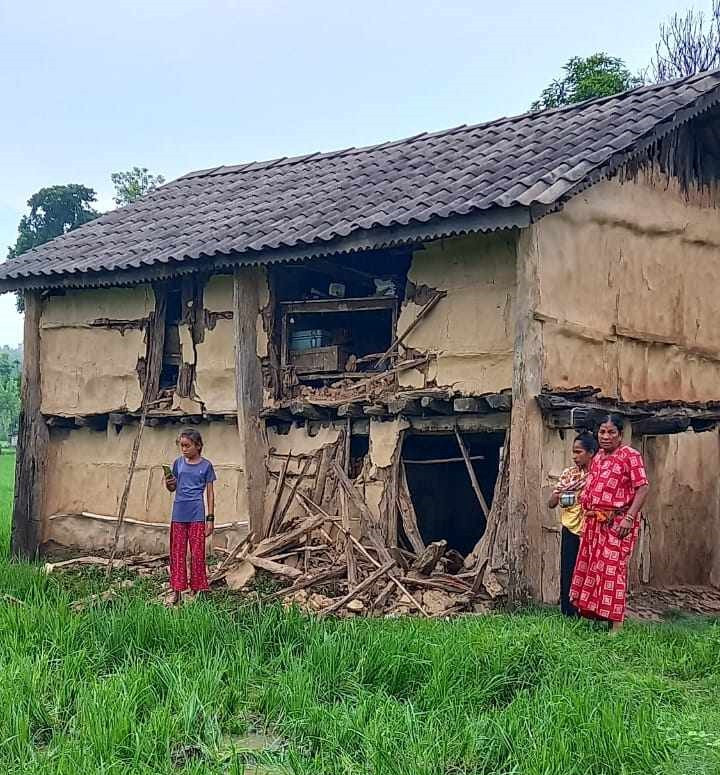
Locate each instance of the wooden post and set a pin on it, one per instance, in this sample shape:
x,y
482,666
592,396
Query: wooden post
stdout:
x,y
249,393
32,441
524,455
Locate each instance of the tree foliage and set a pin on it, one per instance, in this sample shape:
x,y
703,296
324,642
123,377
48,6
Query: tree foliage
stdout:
x,y
9,392
688,44
133,184
54,210
598,75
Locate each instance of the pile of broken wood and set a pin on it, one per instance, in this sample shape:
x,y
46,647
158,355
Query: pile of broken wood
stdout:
x,y
327,565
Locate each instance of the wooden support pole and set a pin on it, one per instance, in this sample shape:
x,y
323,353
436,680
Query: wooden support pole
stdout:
x,y
472,474
249,392
32,441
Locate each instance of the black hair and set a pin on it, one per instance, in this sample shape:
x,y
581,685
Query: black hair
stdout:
x,y
194,436
587,441
616,419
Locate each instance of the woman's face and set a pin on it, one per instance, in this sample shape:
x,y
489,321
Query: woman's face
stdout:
x,y
581,456
609,437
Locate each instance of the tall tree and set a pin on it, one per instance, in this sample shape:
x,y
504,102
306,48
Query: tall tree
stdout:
x,y
598,75
54,210
688,44
133,184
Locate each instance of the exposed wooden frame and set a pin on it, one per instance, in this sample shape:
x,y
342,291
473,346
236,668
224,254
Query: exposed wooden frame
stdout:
x,y
249,392
32,440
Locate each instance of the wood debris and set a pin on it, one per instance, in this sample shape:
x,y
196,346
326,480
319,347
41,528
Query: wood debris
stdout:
x,y
327,563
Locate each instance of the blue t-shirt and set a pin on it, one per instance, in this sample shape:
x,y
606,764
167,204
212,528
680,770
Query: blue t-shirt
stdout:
x,y
192,479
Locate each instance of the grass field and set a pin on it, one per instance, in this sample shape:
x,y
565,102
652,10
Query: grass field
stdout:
x,y
132,688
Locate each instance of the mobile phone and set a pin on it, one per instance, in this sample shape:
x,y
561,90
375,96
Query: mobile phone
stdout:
x,y
167,471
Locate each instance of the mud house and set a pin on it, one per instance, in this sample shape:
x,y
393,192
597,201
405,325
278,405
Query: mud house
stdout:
x,y
420,315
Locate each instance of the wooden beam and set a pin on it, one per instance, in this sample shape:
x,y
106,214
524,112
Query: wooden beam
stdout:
x,y
249,392
470,423
375,410
422,313
472,474
32,440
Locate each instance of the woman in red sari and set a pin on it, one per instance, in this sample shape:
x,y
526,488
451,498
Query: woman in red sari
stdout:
x,y
612,499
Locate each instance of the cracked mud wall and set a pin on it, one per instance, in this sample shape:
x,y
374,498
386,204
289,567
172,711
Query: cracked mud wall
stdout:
x,y
86,472
471,330
87,369
215,367
627,286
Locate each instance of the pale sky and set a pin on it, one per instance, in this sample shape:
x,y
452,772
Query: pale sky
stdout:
x,y
91,87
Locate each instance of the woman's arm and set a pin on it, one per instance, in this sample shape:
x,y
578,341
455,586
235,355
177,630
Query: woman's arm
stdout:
x,y
635,507
554,499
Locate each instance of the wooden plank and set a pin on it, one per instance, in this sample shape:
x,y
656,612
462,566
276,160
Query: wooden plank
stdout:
x,y
32,440
249,392
424,311
314,306
472,474
293,491
361,587
277,568
326,457
441,460
407,513
375,410
272,522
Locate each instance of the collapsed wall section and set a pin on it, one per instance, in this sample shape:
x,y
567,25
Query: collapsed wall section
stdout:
x,y
90,344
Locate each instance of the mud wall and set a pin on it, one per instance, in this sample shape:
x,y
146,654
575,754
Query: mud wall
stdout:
x,y
627,301
470,331
87,369
215,364
86,472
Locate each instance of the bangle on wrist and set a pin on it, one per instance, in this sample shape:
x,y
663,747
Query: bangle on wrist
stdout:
x,y
210,518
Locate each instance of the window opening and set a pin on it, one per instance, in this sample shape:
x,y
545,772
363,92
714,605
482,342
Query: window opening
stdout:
x,y
172,350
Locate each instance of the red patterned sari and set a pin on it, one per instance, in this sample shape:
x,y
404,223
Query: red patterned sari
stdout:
x,y
599,585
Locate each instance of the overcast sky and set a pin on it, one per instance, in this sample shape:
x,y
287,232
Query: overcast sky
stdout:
x,y
92,87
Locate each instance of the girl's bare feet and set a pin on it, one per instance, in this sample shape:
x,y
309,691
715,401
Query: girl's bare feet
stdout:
x,y
172,598
615,628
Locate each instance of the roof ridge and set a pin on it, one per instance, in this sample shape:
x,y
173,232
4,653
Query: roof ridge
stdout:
x,y
313,156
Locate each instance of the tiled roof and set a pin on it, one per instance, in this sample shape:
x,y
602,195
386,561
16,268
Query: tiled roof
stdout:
x,y
491,175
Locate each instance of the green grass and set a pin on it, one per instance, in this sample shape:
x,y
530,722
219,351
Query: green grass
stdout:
x,y
129,687
7,480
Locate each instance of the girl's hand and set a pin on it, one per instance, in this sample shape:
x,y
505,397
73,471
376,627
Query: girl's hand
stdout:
x,y
171,483
209,528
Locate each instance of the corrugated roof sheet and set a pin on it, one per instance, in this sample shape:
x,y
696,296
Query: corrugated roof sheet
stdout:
x,y
306,203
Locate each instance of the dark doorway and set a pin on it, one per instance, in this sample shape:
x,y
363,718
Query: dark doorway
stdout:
x,y
442,494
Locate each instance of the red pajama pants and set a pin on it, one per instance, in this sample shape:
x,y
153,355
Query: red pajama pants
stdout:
x,y
182,533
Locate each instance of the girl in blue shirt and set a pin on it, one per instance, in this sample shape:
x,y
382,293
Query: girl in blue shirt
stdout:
x,y
192,481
